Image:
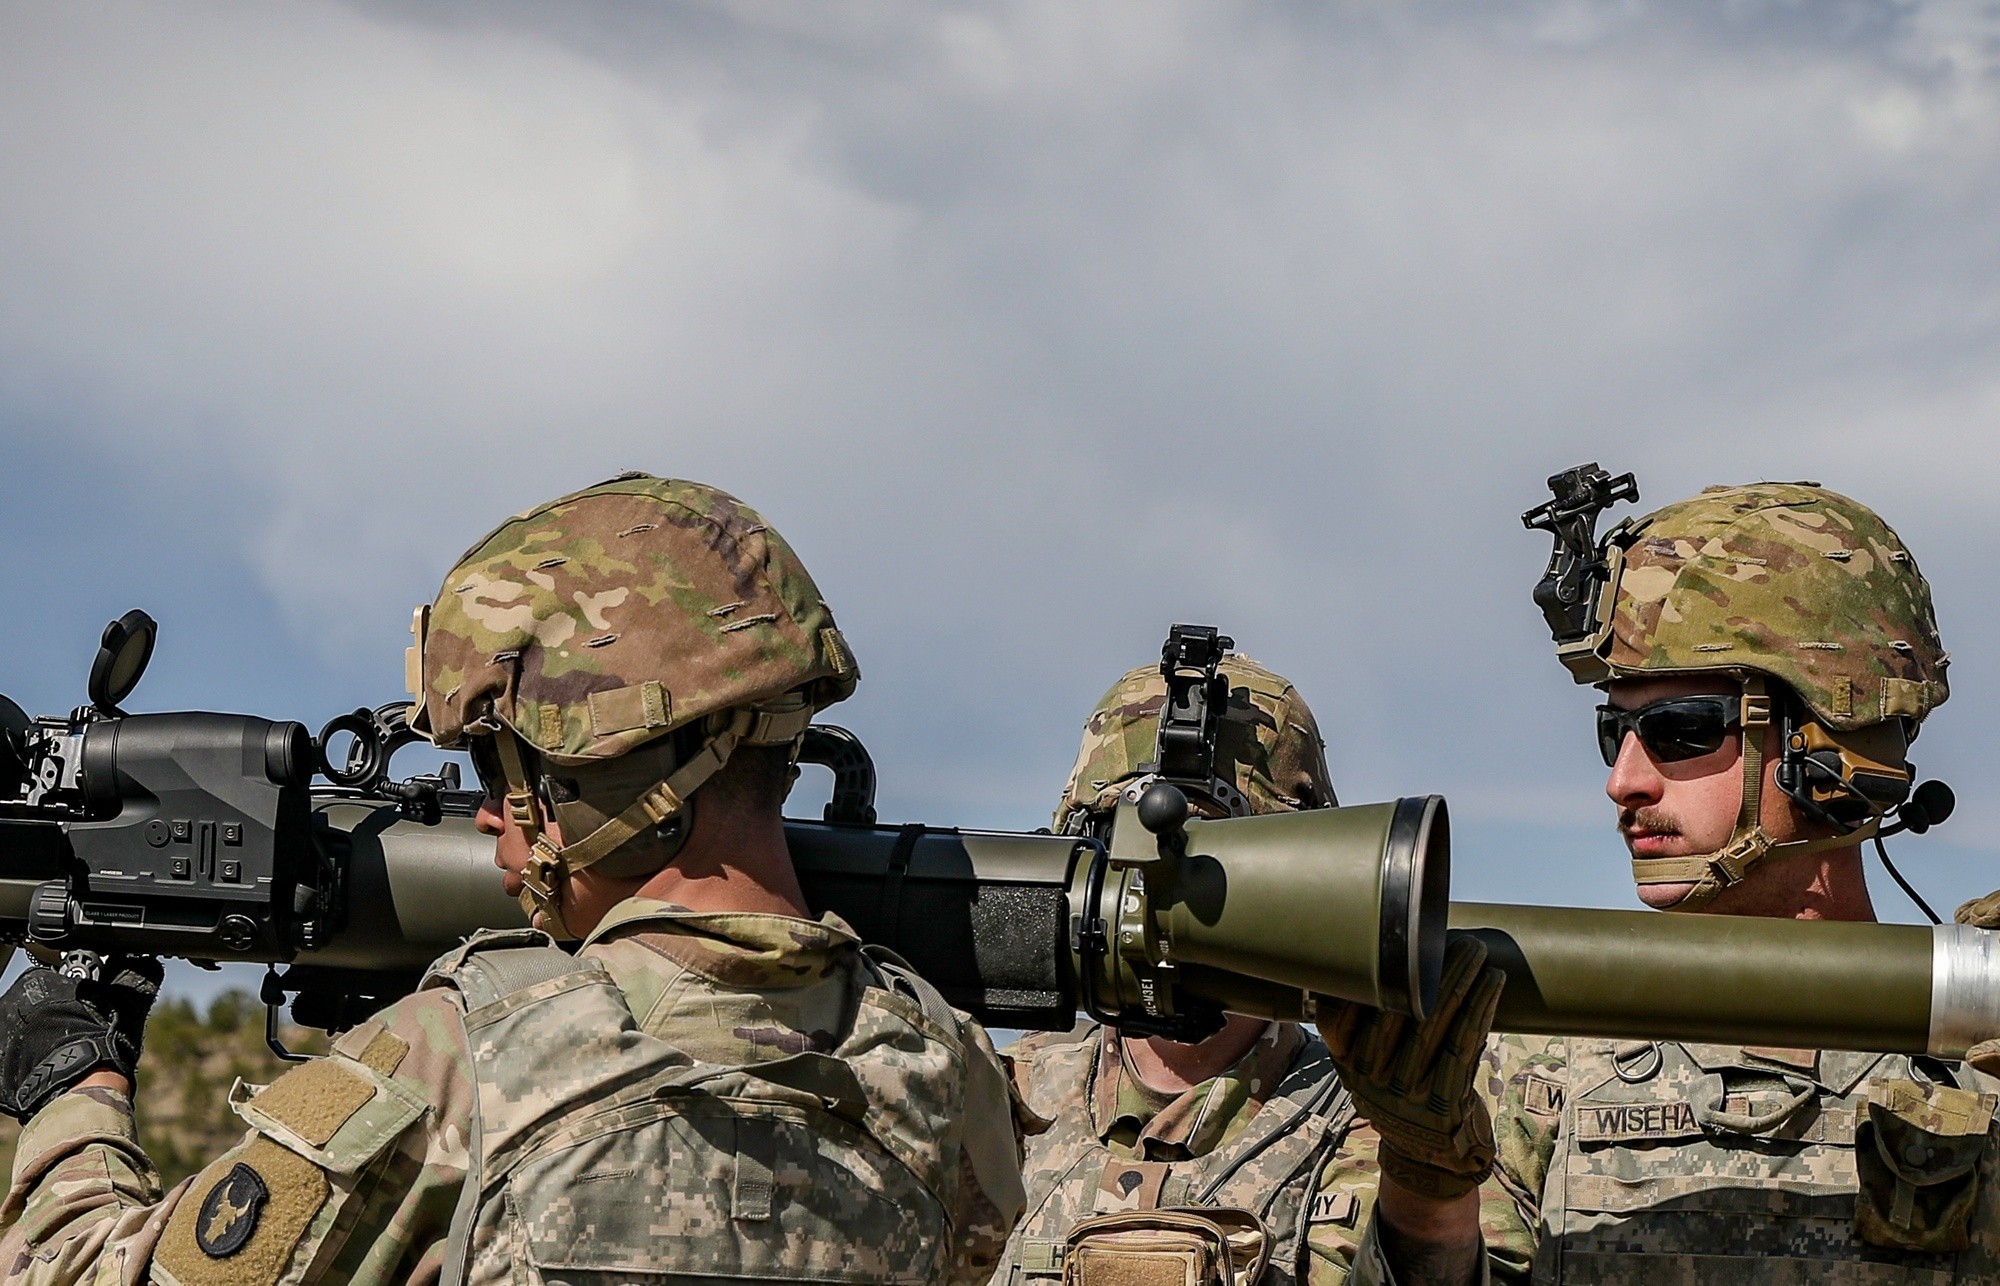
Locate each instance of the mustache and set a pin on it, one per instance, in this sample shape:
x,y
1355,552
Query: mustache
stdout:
x,y
1656,820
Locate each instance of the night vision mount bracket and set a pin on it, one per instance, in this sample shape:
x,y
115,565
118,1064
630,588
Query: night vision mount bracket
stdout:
x,y
1148,838
1574,590
1191,718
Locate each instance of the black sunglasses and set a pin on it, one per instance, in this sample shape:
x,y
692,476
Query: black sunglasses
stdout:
x,y
1671,729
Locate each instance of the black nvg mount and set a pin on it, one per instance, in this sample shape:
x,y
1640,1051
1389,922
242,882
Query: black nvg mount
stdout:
x,y
1190,720
1567,592
1183,763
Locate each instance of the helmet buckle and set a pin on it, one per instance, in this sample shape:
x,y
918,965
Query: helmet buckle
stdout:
x,y
521,811
540,874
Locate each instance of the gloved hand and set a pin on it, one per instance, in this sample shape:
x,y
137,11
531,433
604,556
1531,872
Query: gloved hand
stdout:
x,y
1413,1081
131,984
1983,913
1980,913
56,1030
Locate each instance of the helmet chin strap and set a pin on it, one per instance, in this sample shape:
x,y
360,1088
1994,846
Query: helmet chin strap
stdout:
x,y
539,876
548,862
1749,846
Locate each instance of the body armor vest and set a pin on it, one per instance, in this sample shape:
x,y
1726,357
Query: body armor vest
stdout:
x,y
1271,1168
1688,1162
603,1154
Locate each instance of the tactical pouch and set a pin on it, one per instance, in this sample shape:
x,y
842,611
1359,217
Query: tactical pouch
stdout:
x,y
1181,1246
1918,1156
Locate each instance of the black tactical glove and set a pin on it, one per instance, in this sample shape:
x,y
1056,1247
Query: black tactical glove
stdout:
x,y
56,1030
1414,1081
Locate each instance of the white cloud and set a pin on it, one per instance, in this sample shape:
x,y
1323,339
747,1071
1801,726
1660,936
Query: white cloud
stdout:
x,y
1035,325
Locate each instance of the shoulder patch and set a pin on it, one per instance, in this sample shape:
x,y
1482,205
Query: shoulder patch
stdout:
x,y
242,1220
315,1099
230,1211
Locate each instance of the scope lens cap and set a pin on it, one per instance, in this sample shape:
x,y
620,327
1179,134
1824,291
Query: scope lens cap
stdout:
x,y
122,655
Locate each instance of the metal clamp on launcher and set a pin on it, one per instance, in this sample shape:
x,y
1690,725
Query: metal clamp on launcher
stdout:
x,y
1260,915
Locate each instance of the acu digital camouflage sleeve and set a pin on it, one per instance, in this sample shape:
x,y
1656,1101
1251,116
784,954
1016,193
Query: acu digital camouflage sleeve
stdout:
x,y
349,1174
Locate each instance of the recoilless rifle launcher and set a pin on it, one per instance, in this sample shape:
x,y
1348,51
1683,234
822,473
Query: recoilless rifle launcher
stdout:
x,y
205,836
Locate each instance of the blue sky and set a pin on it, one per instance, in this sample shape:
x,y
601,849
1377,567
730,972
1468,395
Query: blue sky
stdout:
x,y
1035,326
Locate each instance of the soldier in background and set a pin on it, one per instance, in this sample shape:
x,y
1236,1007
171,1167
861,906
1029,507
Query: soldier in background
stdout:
x,y
1253,1117
1770,653
713,1085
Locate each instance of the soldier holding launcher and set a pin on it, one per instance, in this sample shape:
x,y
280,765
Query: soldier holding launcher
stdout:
x,y
1767,653
715,1085
1252,1117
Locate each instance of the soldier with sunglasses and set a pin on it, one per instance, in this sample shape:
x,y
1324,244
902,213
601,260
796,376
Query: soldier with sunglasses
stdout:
x,y
1767,654
705,1082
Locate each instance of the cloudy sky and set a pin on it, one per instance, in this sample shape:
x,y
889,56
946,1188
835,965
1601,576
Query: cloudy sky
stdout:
x,y
1035,326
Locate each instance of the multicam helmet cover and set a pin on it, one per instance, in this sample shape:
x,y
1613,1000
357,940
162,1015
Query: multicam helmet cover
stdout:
x,y
1787,582
1787,579
1267,743
593,627
610,617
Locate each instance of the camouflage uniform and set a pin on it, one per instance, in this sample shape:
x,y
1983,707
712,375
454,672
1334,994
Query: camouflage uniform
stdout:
x,y
1671,1162
1654,1162
364,1153
1275,1135
692,1096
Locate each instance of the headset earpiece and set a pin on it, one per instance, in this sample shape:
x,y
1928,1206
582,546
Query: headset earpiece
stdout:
x,y
1842,779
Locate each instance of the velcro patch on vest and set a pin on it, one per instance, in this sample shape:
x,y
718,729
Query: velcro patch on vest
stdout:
x,y
315,1099
1541,1096
1131,1185
241,1221
1636,1122
1041,1256
384,1052
1333,1207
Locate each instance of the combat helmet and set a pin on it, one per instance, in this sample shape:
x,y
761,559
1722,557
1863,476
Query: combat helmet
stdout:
x,y
1269,757
608,651
1817,609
